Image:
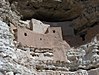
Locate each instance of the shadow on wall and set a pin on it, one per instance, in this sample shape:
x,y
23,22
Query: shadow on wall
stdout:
x,y
72,39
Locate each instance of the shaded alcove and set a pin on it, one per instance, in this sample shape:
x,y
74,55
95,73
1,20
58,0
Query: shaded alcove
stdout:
x,y
68,32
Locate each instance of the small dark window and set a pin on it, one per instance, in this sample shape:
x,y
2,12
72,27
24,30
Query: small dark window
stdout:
x,y
40,38
53,31
25,34
8,24
15,30
68,41
83,35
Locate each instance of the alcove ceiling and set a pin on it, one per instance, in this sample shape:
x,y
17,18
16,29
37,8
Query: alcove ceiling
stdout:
x,y
83,14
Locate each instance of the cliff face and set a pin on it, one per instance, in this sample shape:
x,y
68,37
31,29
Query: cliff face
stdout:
x,y
16,59
34,48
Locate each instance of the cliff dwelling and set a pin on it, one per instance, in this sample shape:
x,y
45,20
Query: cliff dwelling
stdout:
x,y
41,36
49,37
76,21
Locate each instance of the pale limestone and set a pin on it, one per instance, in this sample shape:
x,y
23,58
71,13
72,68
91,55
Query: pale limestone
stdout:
x,y
39,27
9,73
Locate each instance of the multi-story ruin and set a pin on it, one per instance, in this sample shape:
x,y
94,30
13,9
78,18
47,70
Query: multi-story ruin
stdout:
x,y
49,37
46,46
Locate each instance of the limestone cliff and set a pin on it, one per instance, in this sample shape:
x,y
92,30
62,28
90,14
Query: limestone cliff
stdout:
x,y
30,47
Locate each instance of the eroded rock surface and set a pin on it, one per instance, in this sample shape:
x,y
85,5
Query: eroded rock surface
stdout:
x,y
21,59
84,14
11,59
16,59
47,10
7,14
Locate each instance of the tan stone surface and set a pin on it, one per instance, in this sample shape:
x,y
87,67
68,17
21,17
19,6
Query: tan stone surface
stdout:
x,y
56,31
32,39
52,39
60,52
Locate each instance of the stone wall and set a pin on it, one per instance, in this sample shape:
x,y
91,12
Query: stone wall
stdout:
x,y
69,34
29,38
51,40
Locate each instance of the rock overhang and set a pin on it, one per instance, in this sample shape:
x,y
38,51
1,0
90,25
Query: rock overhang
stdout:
x,y
50,11
83,15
